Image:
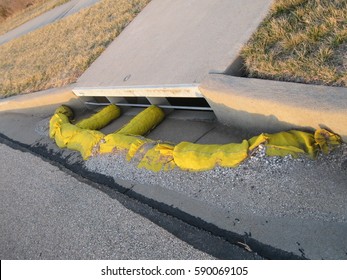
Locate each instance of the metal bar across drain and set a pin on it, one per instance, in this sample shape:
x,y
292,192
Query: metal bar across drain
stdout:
x,y
147,105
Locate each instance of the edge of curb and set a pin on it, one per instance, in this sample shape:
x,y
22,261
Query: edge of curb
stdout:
x,y
49,97
273,106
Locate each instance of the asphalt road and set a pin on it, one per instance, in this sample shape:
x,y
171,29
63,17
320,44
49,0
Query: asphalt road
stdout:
x,y
46,213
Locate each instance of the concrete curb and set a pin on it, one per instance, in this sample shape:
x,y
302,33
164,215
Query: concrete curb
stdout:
x,y
272,106
51,97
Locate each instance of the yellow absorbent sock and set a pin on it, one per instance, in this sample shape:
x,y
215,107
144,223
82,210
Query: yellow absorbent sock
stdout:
x,y
100,119
293,142
64,134
65,110
326,140
84,141
120,142
296,143
136,145
62,115
158,158
255,141
144,122
197,157
56,122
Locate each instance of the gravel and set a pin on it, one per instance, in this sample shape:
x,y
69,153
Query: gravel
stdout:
x,y
261,185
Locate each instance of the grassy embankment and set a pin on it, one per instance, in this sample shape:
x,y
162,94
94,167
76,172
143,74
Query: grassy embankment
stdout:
x,y
56,55
301,41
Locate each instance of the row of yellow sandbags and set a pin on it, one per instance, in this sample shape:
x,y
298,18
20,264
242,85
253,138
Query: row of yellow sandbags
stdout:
x,y
156,155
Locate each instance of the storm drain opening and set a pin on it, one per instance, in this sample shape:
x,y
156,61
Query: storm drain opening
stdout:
x,y
198,103
177,97
178,103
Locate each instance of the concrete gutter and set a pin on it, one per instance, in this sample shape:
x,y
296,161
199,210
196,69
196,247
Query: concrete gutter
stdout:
x,y
263,235
272,106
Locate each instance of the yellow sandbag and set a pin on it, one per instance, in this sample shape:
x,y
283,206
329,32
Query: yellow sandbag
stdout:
x,y
100,119
65,133
187,156
144,122
84,142
292,142
62,115
65,110
326,140
160,157
255,141
136,145
196,157
119,142
56,122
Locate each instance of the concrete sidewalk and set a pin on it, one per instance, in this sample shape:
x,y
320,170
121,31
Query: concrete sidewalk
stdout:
x,y
176,42
51,16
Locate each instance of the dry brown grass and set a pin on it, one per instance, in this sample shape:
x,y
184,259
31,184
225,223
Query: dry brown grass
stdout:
x,y
10,7
301,41
58,54
19,13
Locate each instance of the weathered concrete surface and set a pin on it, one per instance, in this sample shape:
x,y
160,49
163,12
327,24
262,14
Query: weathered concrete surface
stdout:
x,y
52,97
270,106
206,208
53,15
310,238
273,231
177,42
